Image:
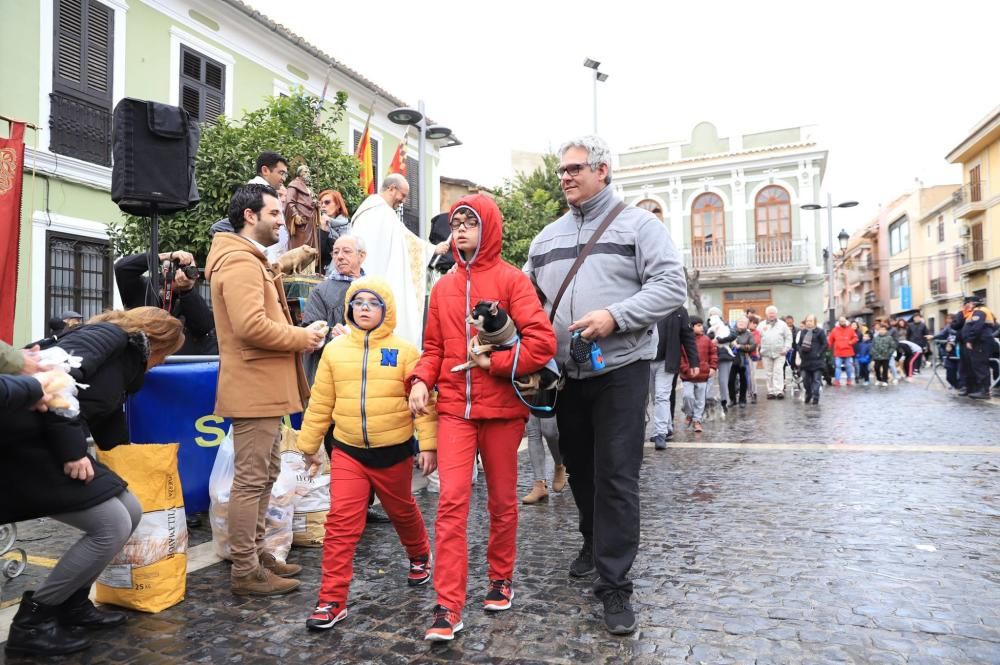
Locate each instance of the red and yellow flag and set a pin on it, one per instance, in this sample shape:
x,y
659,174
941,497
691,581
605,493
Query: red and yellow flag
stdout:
x,y
364,154
398,164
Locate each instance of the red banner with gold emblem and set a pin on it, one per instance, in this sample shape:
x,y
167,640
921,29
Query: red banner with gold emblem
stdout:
x,y
11,180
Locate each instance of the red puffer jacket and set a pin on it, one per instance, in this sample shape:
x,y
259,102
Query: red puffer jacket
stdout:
x,y
475,393
842,340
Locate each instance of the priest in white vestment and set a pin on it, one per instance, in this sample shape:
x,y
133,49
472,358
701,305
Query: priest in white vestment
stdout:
x,y
396,254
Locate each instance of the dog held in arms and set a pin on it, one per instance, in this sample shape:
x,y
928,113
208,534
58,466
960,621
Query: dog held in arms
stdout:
x,y
497,332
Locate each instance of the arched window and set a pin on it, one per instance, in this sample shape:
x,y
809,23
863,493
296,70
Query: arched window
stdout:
x,y
773,215
652,206
708,231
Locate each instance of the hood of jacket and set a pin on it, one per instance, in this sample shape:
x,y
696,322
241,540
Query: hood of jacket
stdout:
x,y
224,244
490,232
379,288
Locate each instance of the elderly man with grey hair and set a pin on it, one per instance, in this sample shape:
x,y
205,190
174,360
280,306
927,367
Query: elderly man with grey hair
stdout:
x,y
326,302
395,254
631,279
775,341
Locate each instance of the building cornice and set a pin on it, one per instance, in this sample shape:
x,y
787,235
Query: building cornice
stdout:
x,y
69,169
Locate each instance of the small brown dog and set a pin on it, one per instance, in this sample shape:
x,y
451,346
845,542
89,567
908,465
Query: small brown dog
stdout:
x,y
298,261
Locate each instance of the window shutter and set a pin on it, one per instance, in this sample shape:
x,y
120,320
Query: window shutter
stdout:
x,y
202,85
99,50
69,42
411,209
82,75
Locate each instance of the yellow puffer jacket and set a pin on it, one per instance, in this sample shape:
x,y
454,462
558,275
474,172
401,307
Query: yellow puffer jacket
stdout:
x,y
360,384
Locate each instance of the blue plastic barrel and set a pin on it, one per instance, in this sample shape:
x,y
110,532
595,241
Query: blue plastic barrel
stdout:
x,y
175,406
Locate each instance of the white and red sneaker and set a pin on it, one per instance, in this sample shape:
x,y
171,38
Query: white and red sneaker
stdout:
x,y
446,624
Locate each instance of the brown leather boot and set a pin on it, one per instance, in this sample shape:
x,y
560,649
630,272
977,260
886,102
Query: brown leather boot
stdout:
x,y
538,493
261,582
559,478
269,561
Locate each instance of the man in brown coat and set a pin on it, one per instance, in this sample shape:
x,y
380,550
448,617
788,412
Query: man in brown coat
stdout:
x,y
260,377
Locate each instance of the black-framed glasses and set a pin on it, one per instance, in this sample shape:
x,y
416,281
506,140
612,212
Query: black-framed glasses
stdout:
x,y
468,222
367,305
572,169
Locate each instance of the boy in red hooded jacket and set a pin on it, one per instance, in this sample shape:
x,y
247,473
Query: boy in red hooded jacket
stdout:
x,y
696,378
477,408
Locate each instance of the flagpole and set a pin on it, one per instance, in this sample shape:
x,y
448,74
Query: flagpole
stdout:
x,y
322,97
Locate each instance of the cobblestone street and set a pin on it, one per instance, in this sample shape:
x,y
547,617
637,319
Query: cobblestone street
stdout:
x,y
862,530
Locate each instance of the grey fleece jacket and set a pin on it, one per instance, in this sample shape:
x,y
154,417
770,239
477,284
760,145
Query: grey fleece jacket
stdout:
x,y
634,271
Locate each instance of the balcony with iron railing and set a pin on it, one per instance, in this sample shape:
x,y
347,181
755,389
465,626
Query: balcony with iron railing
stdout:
x,y
970,199
771,255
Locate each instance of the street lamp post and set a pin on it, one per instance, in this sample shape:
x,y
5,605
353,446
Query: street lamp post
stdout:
x,y
843,241
416,118
598,76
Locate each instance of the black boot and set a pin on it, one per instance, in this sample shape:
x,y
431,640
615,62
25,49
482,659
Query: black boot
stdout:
x,y
79,612
36,632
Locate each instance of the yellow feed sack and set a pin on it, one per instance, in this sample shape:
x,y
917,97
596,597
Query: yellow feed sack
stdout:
x,y
150,573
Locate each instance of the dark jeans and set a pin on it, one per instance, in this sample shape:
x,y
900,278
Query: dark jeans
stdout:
x,y
738,374
601,422
812,379
864,373
882,370
951,373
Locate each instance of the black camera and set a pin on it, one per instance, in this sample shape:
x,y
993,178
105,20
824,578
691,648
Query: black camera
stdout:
x,y
191,272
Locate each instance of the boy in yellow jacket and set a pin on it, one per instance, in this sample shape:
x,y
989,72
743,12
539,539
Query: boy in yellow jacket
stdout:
x,y
360,387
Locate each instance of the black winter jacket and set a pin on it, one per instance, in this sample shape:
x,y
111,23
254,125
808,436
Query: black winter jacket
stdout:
x,y
35,446
674,331
19,392
814,357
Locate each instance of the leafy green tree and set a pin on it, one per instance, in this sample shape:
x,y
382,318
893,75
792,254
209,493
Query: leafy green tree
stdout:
x,y
226,156
528,203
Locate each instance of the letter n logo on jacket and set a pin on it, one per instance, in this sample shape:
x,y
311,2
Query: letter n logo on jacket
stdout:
x,y
389,357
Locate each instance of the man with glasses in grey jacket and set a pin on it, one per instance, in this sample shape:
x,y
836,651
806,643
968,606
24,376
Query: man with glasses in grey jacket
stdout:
x,y
631,279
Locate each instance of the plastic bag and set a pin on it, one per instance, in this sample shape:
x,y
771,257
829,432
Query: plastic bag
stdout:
x,y
220,484
150,573
280,510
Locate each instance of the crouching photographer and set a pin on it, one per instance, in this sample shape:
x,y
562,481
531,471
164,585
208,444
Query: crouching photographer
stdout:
x,y
172,289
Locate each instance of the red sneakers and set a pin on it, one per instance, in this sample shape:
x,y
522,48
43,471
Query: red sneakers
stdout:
x,y
499,596
325,616
420,571
446,624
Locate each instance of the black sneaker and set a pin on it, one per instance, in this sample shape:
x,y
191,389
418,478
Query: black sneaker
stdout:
x,y
376,516
618,615
583,564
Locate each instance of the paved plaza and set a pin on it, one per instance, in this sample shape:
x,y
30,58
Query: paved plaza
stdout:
x,y
864,530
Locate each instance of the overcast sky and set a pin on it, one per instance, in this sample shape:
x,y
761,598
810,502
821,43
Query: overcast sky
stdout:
x,y
893,86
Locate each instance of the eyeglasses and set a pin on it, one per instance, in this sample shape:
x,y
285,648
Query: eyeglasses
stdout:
x,y
572,169
367,305
326,202
468,222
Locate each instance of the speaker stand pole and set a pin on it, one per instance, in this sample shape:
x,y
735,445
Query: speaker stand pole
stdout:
x,y
152,283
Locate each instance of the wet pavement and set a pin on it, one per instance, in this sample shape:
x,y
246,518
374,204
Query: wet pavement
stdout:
x,y
879,545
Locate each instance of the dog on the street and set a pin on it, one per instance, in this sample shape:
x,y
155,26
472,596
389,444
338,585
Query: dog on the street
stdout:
x,y
497,332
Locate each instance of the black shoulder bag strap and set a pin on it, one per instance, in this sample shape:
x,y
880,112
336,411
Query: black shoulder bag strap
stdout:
x,y
583,255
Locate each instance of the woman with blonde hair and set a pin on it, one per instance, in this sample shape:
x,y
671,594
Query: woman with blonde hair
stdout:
x,y
45,470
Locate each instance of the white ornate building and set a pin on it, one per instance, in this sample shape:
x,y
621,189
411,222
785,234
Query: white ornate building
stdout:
x,y
732,206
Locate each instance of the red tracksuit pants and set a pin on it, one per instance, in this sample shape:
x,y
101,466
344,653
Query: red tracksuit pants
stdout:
x,y
458,439
350,486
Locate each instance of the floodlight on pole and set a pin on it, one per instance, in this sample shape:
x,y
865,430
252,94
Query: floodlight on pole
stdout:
x,y
843,237
416,118
590,63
